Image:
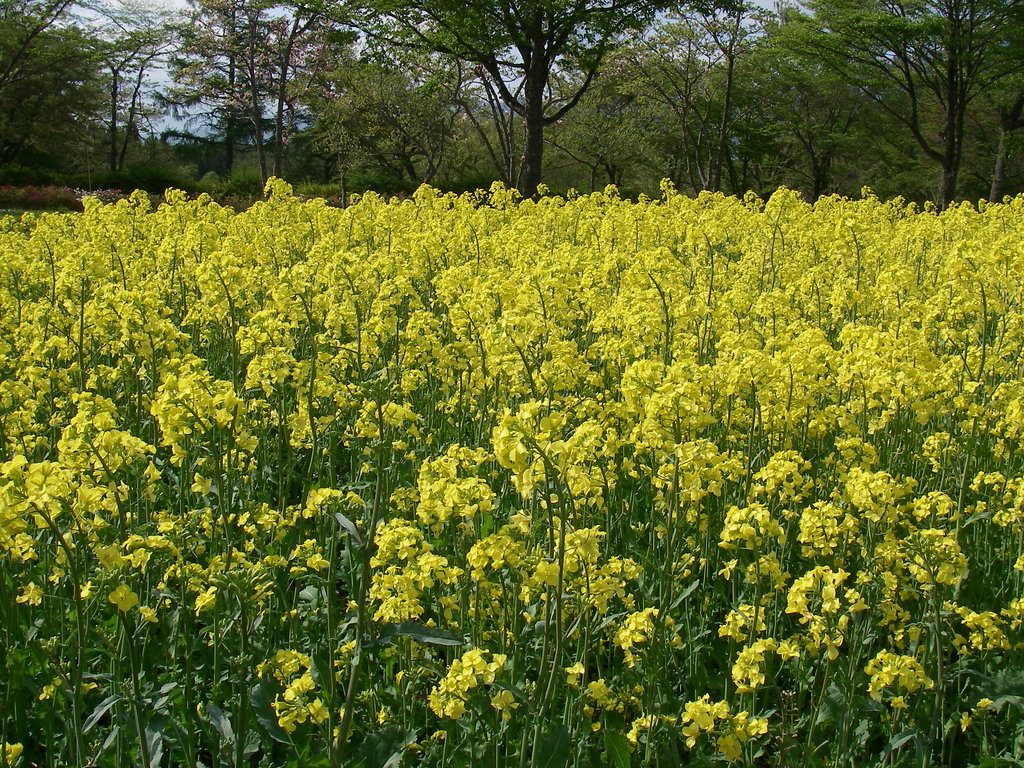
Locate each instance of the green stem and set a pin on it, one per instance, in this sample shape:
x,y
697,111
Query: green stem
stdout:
x,y
362,600
242,713
76,673
133,661
938,715
332,648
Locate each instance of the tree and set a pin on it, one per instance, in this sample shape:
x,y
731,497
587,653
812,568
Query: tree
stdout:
x,y
818,121
25,22
497,127
607,132
238,66
207,74
687,67
400,115
518,42
133,36
939,54
1008,102
280,39
48,83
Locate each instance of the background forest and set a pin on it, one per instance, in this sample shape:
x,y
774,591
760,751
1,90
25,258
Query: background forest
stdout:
x,y
918,98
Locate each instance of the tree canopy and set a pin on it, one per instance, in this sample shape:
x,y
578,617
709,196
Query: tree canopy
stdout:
x,y
939,55
917,98
519,45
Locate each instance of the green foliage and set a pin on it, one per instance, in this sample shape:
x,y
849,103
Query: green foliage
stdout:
x,y
938,57
49,85
244,181
918,99
152,177
38,198
394,118
520,50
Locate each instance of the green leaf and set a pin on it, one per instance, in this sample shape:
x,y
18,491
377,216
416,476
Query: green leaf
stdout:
x,y
1005,688
312,596
685,594
616,749
260,697
999,762
111,738
833,706
808,757
101,709
900,740
350,529
155,739
385,748
419,633
977,517
164,695
220,721
613,721
867,704
320,665
554,749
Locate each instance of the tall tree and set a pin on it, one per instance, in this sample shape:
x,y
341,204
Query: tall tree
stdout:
x,y
133,37
818,121
207,90
278,41
687,67
49,91
301,35
607,132
940,54
497,127
399,115
24,23
1008,105
238,65
519,42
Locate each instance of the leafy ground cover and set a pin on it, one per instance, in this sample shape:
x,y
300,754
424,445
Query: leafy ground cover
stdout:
x,y
477,481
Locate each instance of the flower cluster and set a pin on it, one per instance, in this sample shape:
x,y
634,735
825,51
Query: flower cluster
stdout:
x,y
449,697
473,477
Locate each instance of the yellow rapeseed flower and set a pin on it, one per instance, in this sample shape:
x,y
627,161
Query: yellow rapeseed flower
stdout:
x,y
124,598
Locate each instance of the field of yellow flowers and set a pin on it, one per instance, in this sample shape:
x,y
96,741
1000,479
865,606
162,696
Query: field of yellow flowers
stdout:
x,y
472,481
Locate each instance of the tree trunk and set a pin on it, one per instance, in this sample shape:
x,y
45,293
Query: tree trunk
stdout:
x,y
256,108
229,119
256,115
818,182
504,157
950,171
409,167
130,125
534,84
995,193
821,171
261,152
956,108
723,126
279,124
953,141
532,156
114,95
282,97
229,149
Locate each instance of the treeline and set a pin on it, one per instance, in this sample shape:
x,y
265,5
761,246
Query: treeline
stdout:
x,y
919,98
